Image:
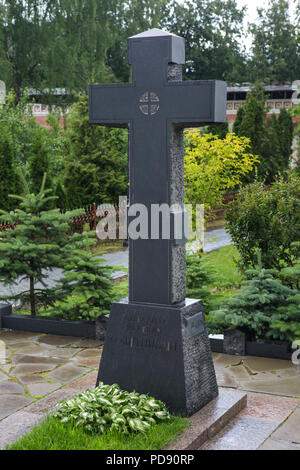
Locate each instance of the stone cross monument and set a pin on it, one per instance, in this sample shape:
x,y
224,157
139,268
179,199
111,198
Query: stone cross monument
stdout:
x,y
157,342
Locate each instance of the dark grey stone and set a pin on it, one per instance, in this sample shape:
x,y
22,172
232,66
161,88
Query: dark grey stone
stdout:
x,y
101,327
234,342
5,309
155,107
157,342
48,325
151,349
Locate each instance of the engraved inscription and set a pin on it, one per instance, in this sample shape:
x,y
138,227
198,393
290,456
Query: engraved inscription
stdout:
x,y
145,332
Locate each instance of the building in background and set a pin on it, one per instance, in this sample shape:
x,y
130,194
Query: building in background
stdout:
x,y
280,95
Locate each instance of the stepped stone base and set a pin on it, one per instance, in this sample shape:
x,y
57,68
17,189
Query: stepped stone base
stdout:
x,y
163,351
210,420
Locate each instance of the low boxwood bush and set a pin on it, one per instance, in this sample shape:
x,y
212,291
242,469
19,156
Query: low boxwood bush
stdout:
x,y
108,408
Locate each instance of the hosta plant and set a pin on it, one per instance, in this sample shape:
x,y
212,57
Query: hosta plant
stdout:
x,y
108,408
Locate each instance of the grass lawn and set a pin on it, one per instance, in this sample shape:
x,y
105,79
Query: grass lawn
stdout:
x,y
51,434
223,261
102,248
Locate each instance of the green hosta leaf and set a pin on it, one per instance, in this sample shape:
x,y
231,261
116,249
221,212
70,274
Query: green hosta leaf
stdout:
x,y
107,407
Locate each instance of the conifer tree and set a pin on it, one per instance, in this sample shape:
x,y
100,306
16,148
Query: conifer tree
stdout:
x,y
39,164
257,305
60,193
9,181
286,135
85,289
40,242
271,150
287,321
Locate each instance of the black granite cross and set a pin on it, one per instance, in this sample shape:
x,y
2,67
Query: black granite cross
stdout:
x,y
155,107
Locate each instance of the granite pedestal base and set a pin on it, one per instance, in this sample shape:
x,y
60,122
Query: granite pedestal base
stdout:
x,y
162,351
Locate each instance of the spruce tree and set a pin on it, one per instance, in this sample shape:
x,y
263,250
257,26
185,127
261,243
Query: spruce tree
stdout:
x,y
198,279
60,193
85,289
287,321
40,242
257,305
272,159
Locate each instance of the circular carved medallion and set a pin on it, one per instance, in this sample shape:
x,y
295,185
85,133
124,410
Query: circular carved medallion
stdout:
x,y
149,103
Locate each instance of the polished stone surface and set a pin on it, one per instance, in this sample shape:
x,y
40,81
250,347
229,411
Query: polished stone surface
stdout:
x,y
243,433
254,425
207,422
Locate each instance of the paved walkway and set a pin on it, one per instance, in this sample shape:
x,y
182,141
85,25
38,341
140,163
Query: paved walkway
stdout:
x,y
37,371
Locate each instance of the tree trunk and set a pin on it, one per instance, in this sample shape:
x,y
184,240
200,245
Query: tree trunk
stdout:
x,y
32,297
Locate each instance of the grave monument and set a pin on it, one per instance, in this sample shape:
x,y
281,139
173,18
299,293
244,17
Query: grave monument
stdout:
x,y
157,342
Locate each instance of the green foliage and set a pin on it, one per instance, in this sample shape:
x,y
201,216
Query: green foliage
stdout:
x,y
221,130
20,125
52,434
287,320
85,289
9,179
275,52
266,220
250,121
271,139
198,278
56,43
39,164
256,306
96,169
291,275
286,323
213,165
60,194
213,33
108,408
286,135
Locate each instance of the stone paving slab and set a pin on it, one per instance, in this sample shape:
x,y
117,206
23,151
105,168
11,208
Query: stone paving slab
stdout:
x,y
243,433
269,407
14,426
3,376
40,389
67,373
10,403
58,340
290,430
288,386
11,387
24,369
